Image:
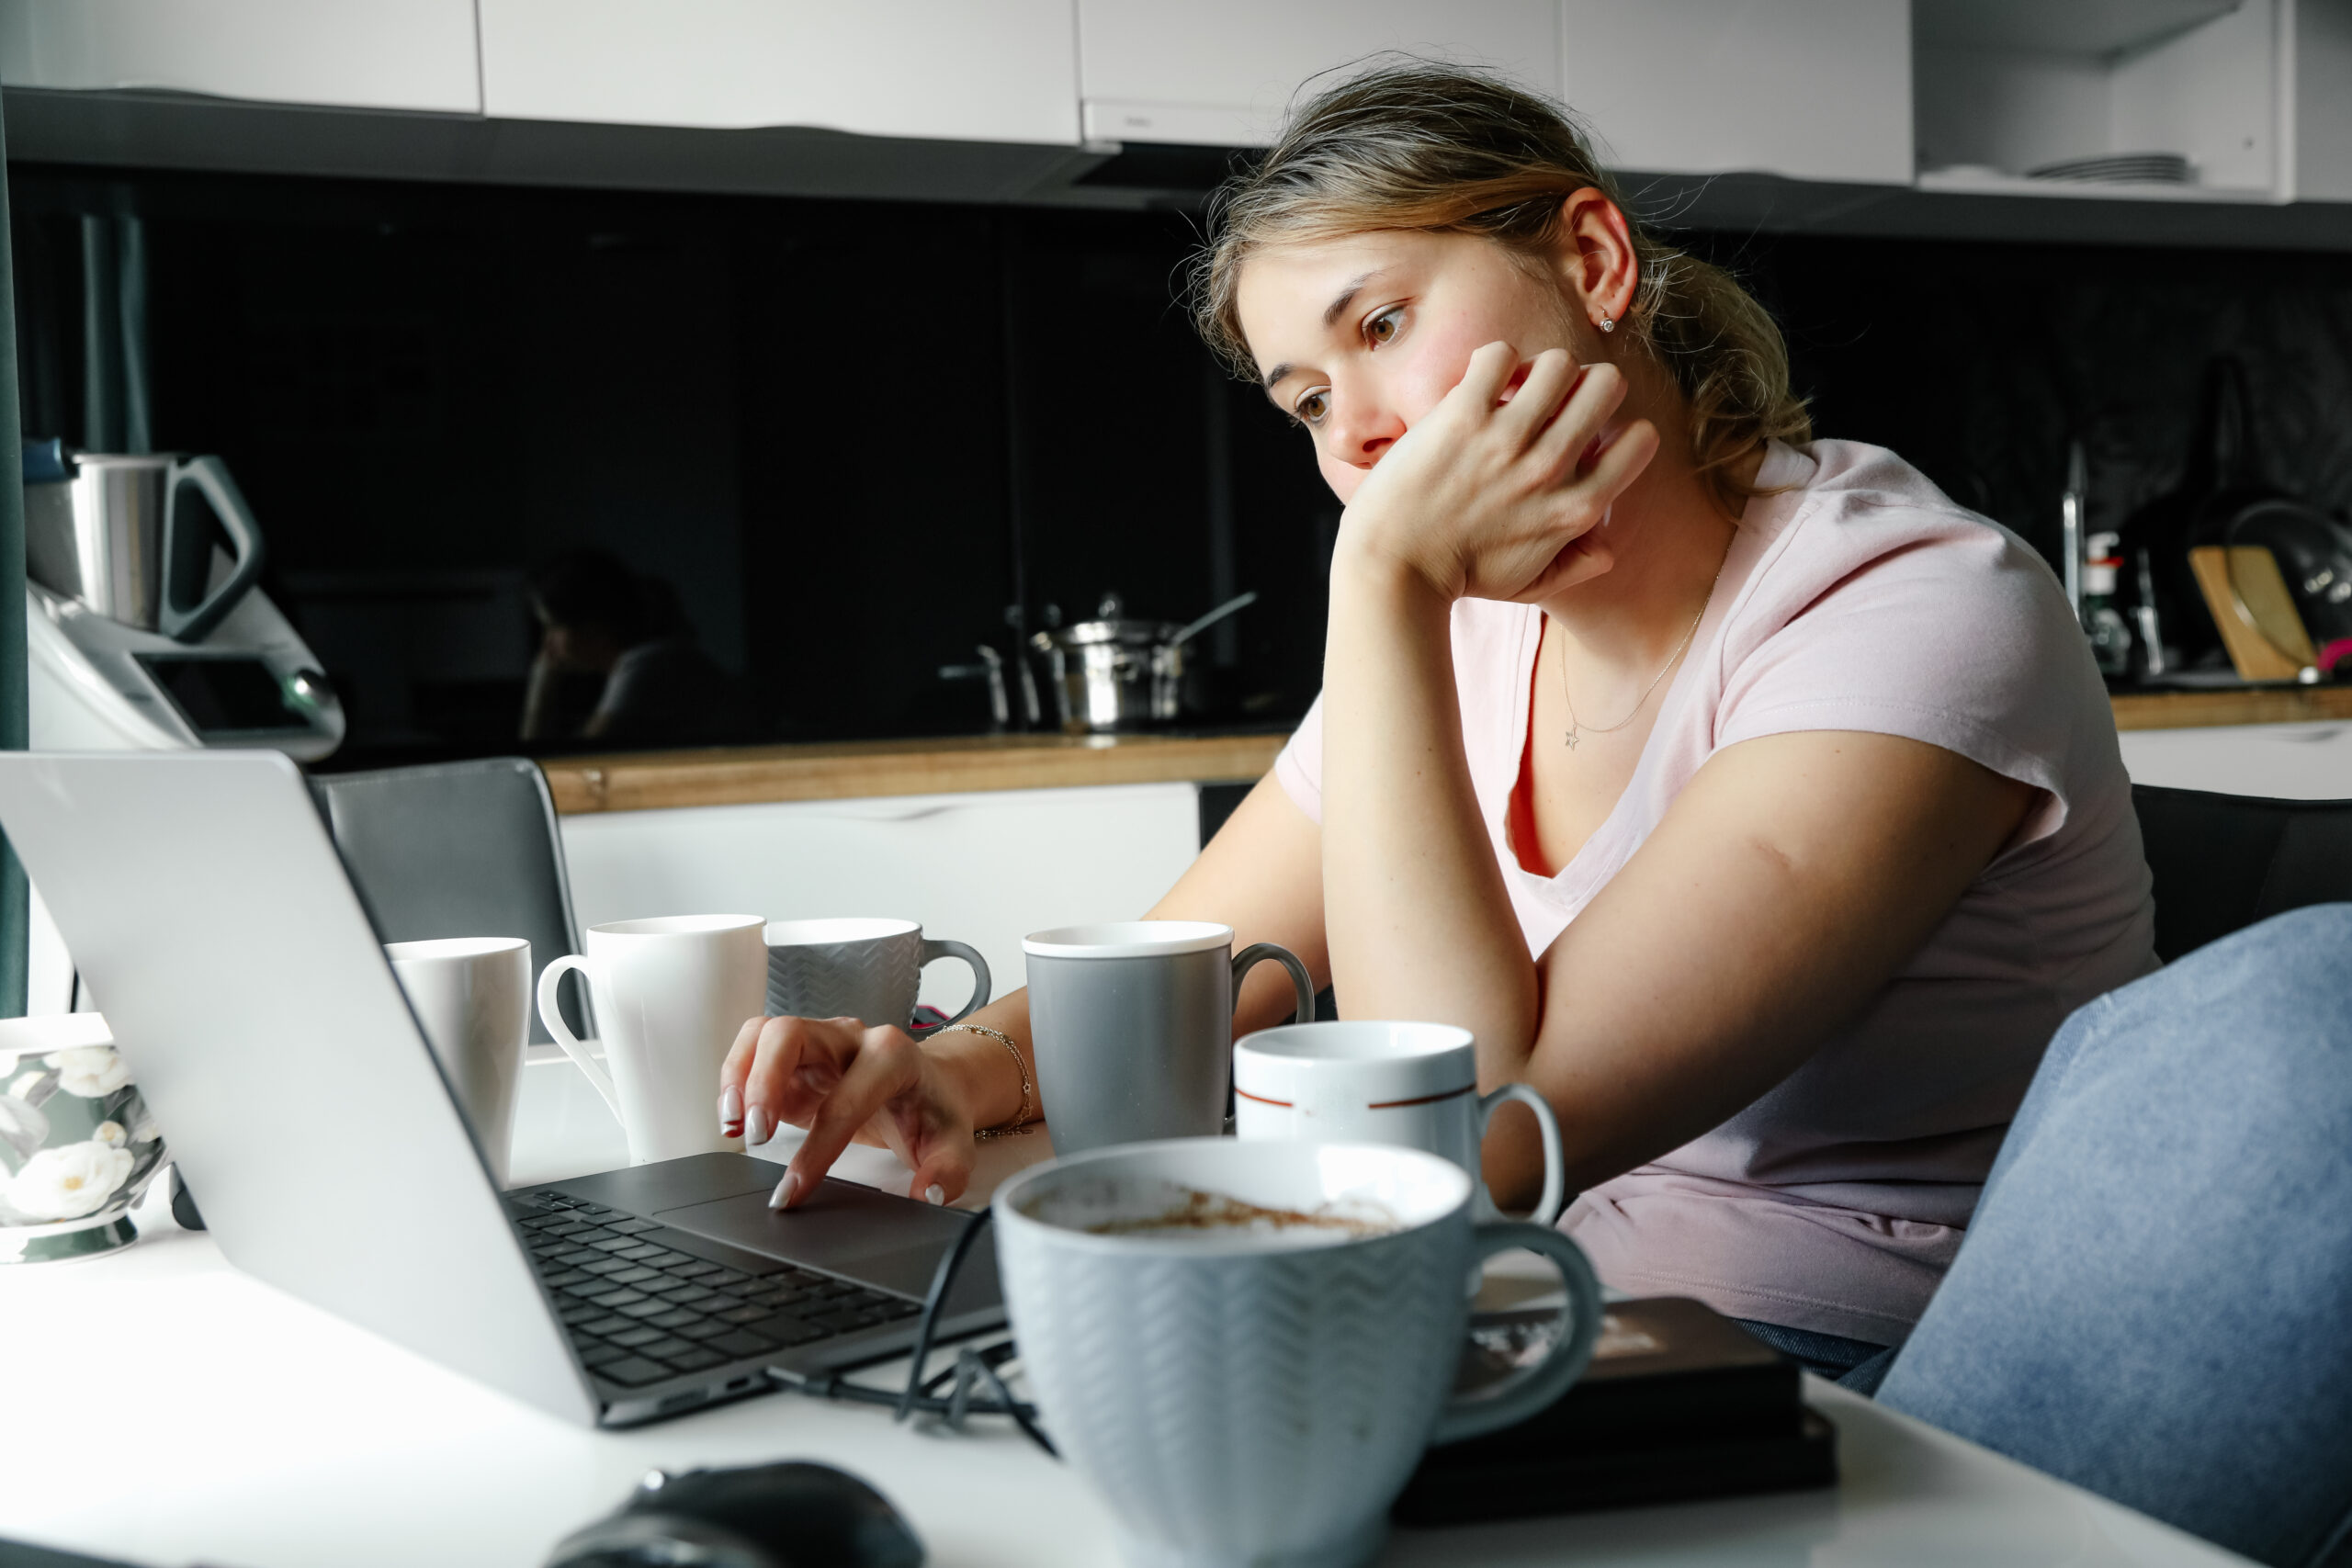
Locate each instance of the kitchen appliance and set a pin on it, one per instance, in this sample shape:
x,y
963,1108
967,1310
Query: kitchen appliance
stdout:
x,y
1112,673
144,632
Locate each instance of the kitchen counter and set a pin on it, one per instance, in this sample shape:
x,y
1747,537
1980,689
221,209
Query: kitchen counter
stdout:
x,y
2199,710
848,770
855,769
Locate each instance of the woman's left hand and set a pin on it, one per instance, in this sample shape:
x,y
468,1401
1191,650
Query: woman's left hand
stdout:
x,y
1494,494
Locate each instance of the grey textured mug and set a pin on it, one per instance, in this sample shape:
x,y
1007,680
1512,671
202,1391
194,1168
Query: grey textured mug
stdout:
x,y
866,969
1131,1025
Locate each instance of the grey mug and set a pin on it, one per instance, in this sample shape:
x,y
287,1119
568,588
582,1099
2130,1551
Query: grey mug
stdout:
x,y
866,969
1131,1025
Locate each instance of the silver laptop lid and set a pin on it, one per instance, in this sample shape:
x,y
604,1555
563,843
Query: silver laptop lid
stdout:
x,y
210,919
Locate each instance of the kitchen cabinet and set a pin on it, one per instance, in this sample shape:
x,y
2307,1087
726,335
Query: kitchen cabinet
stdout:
x,y
1002,72
2006,85
1220,73
1809,89
376,54
2318,39
987,868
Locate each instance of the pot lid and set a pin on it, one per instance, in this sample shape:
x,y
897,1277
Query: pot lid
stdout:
x,y
1111,624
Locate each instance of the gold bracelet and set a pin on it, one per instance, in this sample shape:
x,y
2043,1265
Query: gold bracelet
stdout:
x,y
1020,1123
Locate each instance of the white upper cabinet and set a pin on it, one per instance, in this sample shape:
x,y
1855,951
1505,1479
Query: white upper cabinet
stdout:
x,y
1220,73
2320,150
999,72
1812,89
389,54
2007,87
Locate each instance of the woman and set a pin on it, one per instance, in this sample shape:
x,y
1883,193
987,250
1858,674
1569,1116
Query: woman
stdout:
x,y
1754,803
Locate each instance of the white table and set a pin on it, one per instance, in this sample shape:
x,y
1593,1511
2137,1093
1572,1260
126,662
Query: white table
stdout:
x,y
161,1408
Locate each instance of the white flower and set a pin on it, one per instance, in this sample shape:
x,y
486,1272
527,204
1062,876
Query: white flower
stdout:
x,y
24,1126
110,1133
66,1183
145,1131
90,1071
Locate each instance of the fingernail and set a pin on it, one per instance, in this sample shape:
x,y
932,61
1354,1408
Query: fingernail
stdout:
x,y
730,1107
785,1191
935,1195
756,1125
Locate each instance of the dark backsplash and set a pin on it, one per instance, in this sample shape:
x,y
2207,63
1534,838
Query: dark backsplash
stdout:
x,y
849,435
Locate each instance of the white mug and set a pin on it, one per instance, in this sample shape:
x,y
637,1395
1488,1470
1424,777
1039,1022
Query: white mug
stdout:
x,y
1244,1347
1414,1084
472,997
669,995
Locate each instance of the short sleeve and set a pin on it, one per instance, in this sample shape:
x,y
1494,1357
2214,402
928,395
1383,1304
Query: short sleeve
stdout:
x,y
1299,767
1954,639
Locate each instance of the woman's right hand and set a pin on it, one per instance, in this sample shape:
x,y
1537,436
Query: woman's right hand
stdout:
x,y
842,1081
1500,491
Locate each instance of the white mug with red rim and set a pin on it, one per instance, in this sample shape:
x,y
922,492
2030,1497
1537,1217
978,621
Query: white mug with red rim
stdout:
x,y
1411,1085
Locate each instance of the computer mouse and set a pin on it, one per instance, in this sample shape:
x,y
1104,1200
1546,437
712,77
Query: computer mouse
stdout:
x,y
793,1515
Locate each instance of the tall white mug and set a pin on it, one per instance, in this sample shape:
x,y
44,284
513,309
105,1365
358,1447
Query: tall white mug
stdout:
x,y
669,995
472,997
1412,1085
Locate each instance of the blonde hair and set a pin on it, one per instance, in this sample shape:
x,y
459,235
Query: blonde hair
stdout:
x,y
1444,150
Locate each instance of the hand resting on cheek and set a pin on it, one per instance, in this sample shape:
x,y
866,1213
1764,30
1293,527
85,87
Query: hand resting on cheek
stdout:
x,y
1495,492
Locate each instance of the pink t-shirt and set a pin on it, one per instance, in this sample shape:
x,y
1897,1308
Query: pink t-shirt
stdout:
x,y
1858,598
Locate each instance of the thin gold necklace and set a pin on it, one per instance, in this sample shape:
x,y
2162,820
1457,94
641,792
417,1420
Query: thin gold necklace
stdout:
x,y
1576,730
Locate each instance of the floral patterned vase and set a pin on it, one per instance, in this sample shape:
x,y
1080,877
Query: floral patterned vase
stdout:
x,y
77,1146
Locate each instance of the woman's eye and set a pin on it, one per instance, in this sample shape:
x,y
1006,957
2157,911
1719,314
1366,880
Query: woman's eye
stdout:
x,y
1311,407
1385,327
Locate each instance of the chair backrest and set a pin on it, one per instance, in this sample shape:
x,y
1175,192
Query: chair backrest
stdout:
x,y
2223,862
456,849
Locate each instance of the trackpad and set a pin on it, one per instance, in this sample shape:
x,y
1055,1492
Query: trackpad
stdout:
x,y
844,1228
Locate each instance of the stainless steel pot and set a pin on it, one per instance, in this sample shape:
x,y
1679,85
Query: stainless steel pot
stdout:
x,y
121,535
1111,673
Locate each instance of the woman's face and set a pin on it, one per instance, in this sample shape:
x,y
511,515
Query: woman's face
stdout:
x,y
1357,338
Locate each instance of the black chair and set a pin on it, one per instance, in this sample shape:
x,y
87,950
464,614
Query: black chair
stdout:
x,y
456,849
2223,862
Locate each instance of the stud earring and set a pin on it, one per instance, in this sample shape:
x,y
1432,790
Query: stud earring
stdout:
x,y
1607,322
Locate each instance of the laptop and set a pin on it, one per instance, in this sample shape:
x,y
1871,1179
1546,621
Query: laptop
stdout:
x,y
211,919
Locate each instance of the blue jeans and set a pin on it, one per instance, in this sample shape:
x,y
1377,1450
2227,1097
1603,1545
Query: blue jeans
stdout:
x,y
2154,1299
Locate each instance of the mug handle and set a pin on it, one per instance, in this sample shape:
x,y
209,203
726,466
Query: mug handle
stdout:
x,y
1547,1207
1257,953
552,1014
933,950
1530,1388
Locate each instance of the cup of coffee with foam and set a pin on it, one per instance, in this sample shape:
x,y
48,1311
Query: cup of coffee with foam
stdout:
x,y
1245,1347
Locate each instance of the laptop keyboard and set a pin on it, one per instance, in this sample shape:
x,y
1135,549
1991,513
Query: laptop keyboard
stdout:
x,y
638,1312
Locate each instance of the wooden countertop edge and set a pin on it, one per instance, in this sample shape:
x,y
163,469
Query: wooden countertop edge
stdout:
x,y
743,776
2261,704
849,770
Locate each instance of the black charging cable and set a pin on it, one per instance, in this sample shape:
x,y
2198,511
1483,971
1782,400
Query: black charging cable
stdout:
x,y
973,1370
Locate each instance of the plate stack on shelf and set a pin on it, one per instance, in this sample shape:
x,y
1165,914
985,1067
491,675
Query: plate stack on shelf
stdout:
x,y
2120,169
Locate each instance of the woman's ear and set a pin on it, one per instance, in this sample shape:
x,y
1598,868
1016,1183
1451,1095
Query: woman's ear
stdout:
x,y
1598,264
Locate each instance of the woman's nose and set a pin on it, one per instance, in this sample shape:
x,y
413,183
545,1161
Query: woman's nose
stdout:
x,y
1362,431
